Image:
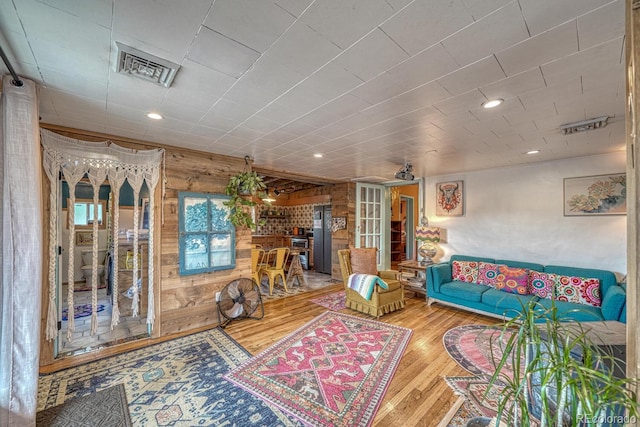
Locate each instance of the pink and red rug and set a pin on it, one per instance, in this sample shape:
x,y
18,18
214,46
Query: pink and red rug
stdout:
x,y
335,301
474,348
333,371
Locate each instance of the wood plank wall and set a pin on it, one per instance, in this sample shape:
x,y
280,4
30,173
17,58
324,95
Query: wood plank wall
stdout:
x,y
184,303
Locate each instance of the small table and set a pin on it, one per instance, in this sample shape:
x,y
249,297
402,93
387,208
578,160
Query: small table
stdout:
x,y
417,283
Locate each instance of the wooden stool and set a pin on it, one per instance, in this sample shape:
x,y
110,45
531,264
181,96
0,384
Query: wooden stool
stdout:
x,y
295,269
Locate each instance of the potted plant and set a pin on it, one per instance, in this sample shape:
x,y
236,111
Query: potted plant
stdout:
x,y
561,374
242,190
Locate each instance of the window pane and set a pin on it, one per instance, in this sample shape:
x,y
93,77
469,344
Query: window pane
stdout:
x,y
195,252
195,214
219,216
220,250
80,214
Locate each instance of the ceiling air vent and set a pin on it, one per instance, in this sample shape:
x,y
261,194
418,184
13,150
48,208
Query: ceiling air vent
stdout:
x,y
585,125
145,66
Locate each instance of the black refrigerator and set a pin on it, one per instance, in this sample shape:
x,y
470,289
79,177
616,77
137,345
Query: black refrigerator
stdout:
x,y
322,239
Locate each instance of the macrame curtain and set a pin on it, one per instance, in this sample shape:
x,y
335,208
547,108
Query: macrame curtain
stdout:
x,y
99,161
21,267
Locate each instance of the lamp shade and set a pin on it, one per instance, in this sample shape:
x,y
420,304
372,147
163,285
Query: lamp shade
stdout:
x,y
428,234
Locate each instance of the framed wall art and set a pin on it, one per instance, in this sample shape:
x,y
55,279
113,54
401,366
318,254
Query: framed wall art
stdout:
x,y
84,238
450,198
595,195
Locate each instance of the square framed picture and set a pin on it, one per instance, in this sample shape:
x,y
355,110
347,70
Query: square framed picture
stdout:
x,y
450,198
595,195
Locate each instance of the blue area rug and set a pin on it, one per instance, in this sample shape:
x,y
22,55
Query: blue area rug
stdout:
x,y
176,383
79,311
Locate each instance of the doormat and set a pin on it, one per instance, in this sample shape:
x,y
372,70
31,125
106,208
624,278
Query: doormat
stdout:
x,y
108,407
333,371
175,383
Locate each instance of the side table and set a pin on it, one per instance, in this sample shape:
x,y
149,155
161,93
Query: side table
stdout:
x,y
418,282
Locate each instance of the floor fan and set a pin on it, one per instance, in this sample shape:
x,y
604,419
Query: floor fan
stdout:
x,y
239,299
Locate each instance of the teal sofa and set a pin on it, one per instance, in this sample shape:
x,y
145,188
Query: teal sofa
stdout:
x,y
493,302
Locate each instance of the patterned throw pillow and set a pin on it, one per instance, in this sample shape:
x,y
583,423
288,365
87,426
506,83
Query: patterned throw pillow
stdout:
x,y
541,284
581,290
512,280
487,273
464,271
364,260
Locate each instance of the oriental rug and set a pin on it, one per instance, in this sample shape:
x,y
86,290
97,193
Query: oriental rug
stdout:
x,y
83,310
106,408
335,301
178,383
333,371
474,348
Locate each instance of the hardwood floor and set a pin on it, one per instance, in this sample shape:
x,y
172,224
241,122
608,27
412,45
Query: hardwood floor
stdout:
x,y
417,394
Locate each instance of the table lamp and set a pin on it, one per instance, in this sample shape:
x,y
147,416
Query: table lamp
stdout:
x,y
428,236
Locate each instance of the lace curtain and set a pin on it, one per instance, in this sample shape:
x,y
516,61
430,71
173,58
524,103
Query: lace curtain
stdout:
x,y
99,161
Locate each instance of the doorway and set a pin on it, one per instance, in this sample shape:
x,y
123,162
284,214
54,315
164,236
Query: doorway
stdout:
x,y
402,224
130,327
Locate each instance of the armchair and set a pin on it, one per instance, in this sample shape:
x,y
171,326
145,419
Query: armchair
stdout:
x,y
383,300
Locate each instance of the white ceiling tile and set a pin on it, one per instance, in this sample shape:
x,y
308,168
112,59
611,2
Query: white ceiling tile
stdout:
x,y
541,15
54,41
543,48
427,66
601,25
221,53
115,122
294,7
481,8
150,20
514,85
381,88
345,22
475,75
261,124
254,24
181,111
74,83
491,34
96,11
334,111
135,93
424,23
371,55
303,50
606,56
197,86
206,132
332,80
461,103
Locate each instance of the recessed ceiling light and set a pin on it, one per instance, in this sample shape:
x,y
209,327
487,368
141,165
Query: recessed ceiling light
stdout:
x,y
154,116
533,151
492,103
318,155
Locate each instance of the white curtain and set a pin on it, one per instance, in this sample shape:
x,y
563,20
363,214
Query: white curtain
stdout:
x,y
21,235
100,161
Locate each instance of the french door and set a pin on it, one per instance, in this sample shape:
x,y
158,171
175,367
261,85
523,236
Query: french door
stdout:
x,y
372,207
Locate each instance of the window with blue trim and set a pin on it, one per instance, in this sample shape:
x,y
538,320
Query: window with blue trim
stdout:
x,y
207,237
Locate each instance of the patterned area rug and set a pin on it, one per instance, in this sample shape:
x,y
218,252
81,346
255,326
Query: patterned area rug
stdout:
x,y
177,383
333,371
335,301
106,408
294,288
79,311
471,346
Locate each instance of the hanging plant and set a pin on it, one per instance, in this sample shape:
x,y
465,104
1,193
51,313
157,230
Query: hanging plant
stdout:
x,y
242,189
